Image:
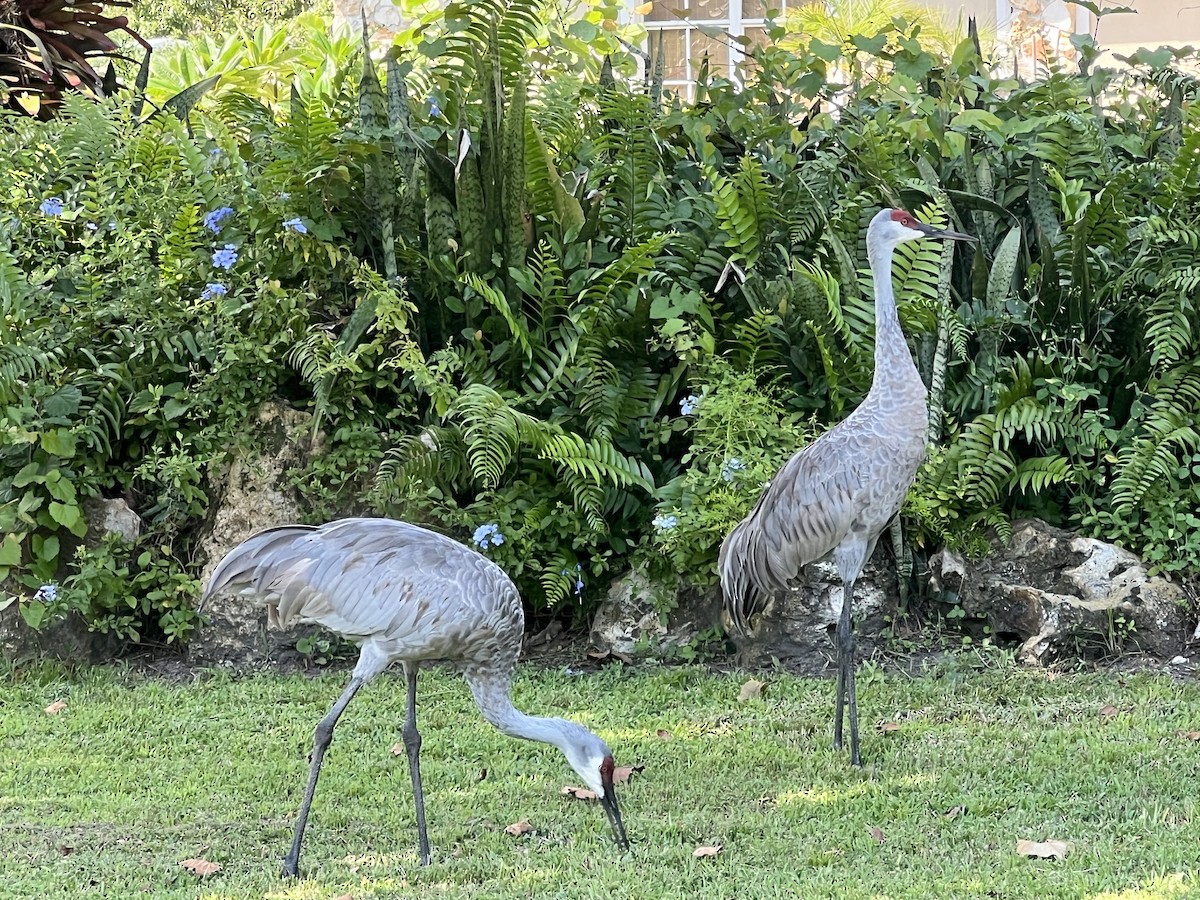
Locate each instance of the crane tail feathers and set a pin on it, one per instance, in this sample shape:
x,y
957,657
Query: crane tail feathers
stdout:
x,y
243,567
744,596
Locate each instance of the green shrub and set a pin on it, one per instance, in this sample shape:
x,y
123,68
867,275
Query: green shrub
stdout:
x,y
187,18
155,287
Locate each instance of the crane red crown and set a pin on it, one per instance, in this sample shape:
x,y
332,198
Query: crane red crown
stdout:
x,y
899,215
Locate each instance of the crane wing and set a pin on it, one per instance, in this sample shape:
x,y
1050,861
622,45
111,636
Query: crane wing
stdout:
x,y
369,577
803,514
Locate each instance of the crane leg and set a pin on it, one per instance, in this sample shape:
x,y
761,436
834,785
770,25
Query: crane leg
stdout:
x,y
321,738
845,679
412,744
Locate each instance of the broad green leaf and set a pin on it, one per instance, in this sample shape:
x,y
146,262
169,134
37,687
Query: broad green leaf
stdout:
x,y
66,515
46,547
10,550
34,614
62,489
822,50
28,475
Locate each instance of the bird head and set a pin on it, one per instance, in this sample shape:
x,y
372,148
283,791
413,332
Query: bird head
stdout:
x,y
590,757
895,226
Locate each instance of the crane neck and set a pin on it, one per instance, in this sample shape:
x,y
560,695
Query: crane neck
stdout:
x,y
893,361
492,696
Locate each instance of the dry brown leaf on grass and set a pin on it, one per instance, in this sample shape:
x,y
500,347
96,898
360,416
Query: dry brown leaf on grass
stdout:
x,y
664,734
954,812
751,690
579,793
55,708
397,749
1045,849
701,852
888,727
622,774
345,897
1108,711
1190,735
516,829
201,867
876,832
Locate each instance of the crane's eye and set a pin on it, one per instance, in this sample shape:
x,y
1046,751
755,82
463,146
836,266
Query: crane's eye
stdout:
x,y
906,222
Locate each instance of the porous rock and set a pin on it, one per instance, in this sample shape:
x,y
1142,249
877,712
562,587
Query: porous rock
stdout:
x,y
254,495
1055,593
645,618
797,627
68,637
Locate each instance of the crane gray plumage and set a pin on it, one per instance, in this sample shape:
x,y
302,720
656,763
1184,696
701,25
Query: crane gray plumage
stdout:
x,y
410,595
837,494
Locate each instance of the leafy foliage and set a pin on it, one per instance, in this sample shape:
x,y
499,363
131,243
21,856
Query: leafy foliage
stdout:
x,y
523,298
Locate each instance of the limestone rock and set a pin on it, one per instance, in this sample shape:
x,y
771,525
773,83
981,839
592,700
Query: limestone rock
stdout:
x,y
797,627
630,621
255,495
1056,593
111,517
67,638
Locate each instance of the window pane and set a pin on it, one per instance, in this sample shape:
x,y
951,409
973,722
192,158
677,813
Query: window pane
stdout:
x,y
757,35
717,50
674,51
708,9
757,9
665,10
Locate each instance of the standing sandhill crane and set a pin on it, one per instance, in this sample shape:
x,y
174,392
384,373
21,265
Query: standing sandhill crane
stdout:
x,y
838,493
410,595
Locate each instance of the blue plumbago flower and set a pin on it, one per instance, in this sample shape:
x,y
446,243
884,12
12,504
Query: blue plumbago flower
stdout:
x,y
91,226
665,523
488,535
47,593
731,468
214,218
225,257
296,225
52,206
566,573
284,196
688,405
212,290
434,109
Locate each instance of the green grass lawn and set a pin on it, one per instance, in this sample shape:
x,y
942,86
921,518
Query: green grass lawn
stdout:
x,y
135,775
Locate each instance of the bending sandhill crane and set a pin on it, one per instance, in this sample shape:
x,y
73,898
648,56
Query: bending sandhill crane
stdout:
x,y
408,595
838,493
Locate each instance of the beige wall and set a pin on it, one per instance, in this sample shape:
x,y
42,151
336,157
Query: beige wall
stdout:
x,y
1156,22
984,11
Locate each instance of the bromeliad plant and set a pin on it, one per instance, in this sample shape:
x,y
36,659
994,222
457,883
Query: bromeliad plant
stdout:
x,y
49,48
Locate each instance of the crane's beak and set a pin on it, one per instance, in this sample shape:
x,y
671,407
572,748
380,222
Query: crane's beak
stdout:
x,y
609,802
930,231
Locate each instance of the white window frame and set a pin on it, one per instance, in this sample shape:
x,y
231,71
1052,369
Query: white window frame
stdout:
x,y
734,25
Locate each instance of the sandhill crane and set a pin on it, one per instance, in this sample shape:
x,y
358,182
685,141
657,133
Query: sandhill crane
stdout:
x,y
409,595
838,493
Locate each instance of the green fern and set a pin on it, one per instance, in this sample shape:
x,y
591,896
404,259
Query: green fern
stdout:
x,y
744,207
